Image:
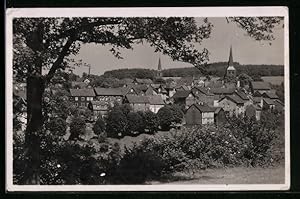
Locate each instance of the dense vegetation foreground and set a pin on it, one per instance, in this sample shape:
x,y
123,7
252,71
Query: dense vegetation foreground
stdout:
x,y
242,142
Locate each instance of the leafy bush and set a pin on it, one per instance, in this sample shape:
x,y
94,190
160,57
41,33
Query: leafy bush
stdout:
x,y
135,123
150,122
138,164
169,115
77,128
116,124
99,129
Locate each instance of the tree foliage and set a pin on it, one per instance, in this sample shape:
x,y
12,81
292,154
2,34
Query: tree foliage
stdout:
x,y
169,115
77,128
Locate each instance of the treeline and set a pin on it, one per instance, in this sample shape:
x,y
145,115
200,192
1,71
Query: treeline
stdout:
x,y
219,68
216,69
131,73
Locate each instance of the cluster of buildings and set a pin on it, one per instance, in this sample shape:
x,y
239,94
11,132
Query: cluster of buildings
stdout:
x,y
206,100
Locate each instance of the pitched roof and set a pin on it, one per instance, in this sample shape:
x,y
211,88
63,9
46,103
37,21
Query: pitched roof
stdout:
x,y
137,99
156,100
203,108
220,91
181,94
257,99
203,90
108,91
242,95
82,92
234,98
269,101
270,95
217,109
256,85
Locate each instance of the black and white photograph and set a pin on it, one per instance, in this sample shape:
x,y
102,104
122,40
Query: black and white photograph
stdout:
x,y
147,99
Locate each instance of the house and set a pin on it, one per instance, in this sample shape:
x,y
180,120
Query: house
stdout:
x,y
204,95
222,91
87,81
184,98
109,95
219,116
81,97
260,87
186,81
159,90
98,108
137,102
244,97
142,81
270,95
150,91
156,102
232,104
268,104
198,114
253,111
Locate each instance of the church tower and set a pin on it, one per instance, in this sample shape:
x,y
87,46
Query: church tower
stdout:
x,y
230,71
159,69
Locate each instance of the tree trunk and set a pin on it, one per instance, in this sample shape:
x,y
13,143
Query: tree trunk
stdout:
x,y
35,90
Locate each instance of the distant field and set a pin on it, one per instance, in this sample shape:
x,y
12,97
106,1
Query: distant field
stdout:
x,y
276,80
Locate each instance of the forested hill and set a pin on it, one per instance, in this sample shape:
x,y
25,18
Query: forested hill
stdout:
x,y
217,69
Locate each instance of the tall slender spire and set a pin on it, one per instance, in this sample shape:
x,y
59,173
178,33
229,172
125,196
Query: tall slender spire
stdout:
x,y
159,64
230,62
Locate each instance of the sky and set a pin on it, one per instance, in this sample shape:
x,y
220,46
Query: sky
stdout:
x,y
245,49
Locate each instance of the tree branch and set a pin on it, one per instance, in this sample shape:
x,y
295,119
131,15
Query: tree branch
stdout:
x,y
60,59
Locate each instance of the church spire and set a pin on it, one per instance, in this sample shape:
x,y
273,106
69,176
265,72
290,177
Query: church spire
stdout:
x,y
159,68
159,64
230,62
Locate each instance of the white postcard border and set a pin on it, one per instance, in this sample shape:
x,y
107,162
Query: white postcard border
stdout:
x,y
142,12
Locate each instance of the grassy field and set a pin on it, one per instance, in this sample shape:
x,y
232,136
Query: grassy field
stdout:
x,y
236,175
276,80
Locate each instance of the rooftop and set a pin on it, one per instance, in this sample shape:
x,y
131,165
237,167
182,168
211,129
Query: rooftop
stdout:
x,y
203,108
108,91
82,92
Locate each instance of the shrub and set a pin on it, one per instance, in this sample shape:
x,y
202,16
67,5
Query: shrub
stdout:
x,y
116,124
138,165
150,122
99,129
77,128
169,115
135,123
57,126
99,126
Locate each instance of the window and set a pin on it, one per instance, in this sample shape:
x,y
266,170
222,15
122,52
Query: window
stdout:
x,y
89,99
76,104
82,104
76,98
82,98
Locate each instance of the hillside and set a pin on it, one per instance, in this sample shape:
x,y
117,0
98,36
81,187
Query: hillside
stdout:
x,y
216,69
